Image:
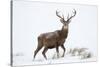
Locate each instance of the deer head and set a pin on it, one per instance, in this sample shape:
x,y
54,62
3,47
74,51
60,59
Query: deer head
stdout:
x,y
66,22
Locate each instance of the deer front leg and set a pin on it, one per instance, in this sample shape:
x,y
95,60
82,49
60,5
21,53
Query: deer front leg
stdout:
x,y
57,50
62,46
44,51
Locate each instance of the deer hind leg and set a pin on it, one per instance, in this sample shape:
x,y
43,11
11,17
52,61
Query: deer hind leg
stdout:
x,y
40,45
37,50
57,50
44,51
62,46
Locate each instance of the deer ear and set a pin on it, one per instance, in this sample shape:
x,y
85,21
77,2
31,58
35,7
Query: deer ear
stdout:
x,y
68,21
62,21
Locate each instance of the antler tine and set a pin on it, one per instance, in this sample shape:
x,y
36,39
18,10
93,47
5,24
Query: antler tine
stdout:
x,y
73,15
58,15
74,12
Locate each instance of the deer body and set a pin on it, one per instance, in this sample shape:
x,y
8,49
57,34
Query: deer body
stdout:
x,y
54,39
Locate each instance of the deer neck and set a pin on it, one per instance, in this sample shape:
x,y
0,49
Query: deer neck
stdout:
x,y
64,31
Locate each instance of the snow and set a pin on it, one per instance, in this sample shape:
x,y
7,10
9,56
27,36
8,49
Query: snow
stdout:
x,y
22,60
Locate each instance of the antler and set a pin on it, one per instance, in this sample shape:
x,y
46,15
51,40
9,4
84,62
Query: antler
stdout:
x,y
59,15
72,16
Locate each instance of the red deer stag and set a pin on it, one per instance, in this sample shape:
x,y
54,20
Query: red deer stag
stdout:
x,y
54,39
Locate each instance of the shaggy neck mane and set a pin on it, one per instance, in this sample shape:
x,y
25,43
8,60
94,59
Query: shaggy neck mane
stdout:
x,y
64,32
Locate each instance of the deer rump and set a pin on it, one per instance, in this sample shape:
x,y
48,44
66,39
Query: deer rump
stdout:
x,y
50,40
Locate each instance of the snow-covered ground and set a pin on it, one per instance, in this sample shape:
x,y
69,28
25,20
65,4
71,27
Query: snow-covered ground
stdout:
x,y
23,59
